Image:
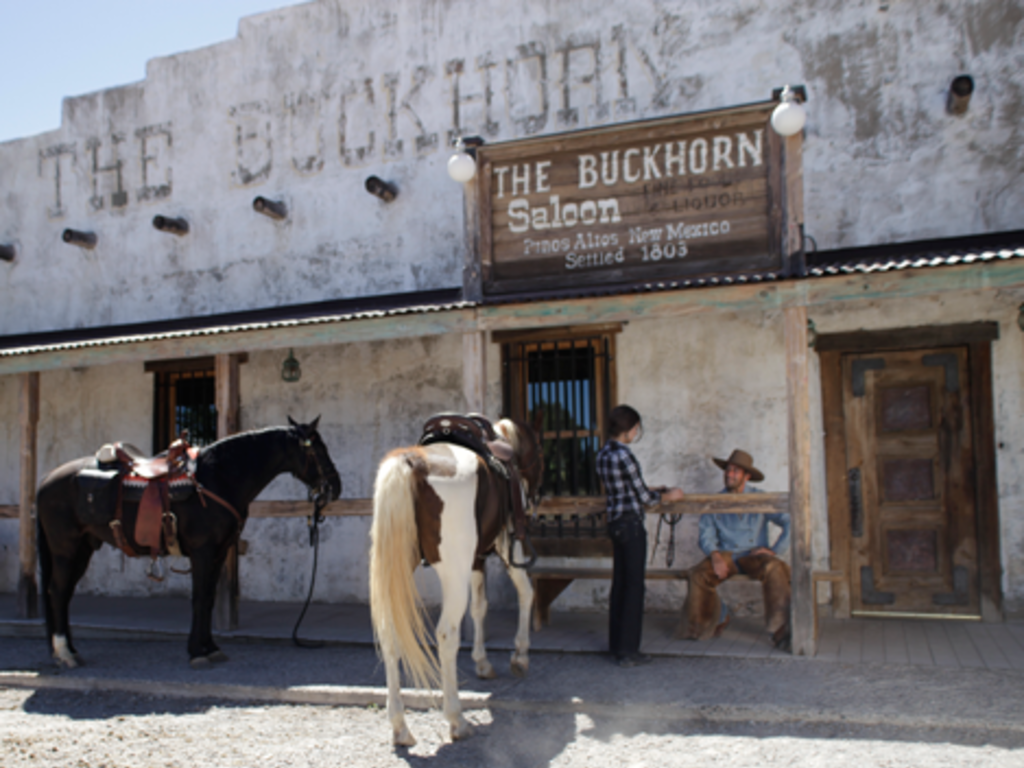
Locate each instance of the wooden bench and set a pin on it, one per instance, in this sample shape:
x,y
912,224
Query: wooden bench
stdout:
x,y
549,581
574,528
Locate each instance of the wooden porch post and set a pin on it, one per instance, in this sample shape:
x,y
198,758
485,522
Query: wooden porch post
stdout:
x,y
798,398
226,372
474,370
28,407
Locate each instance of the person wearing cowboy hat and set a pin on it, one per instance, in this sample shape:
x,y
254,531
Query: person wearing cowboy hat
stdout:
x,y
739,544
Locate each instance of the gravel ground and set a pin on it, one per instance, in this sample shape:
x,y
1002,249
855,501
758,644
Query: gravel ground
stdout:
x,y
101,729
573,710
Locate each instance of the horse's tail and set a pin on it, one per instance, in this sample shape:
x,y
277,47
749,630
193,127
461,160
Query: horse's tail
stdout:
x,y
399,618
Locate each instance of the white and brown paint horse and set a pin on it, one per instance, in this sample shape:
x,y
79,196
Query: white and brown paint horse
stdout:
x,y
441,503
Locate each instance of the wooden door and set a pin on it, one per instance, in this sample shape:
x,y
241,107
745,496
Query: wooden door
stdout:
x,y
910,482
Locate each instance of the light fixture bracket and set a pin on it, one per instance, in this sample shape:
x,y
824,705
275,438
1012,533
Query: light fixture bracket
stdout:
x,y
462,162
799,91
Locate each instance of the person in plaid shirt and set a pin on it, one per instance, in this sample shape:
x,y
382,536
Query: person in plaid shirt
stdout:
x,y
627,495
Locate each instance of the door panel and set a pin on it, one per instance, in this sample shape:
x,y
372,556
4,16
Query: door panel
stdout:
x,y
910,473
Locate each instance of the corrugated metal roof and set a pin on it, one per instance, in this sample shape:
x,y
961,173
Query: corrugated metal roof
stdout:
x,y
212,325
926,254
922,254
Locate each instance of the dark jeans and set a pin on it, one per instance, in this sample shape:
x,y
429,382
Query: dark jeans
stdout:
x,y
626,604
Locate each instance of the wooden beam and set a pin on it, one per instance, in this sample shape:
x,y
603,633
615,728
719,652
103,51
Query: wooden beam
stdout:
x,y
472,277
793,202
183,364
857,288
985,484
474,371
28,411
835,479
226,397
798,401
226,374
10,511
921,337
338,508
693,504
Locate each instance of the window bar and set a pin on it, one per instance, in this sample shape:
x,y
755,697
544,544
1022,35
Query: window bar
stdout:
x,y
213,409
595,421
574,388
506,380
556,421
563,397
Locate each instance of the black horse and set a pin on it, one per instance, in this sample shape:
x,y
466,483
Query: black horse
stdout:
x,y
233,471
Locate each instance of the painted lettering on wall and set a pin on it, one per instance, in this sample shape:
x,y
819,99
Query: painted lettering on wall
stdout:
x,y
536,86
114,164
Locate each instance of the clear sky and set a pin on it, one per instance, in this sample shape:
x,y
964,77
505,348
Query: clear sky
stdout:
x,y
56,48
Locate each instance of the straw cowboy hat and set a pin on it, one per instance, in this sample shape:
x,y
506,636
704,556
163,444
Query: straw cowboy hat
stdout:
x,y
742,460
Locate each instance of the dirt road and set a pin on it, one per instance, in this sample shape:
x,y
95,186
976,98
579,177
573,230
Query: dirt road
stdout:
x,y
573,710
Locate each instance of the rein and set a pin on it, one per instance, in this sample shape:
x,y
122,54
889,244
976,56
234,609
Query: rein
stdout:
x,y
533,499
320,497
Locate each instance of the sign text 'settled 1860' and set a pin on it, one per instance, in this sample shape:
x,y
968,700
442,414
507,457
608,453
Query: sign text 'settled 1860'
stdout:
x,y
657,200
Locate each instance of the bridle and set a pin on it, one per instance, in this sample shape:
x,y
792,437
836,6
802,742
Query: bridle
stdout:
x,y
319,493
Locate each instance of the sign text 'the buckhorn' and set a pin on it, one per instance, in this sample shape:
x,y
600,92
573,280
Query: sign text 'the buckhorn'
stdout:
x,y
647,201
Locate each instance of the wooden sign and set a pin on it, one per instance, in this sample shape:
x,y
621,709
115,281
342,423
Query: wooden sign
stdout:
x,y
650,201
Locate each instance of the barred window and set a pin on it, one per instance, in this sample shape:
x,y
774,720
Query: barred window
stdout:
x,y
184,397
564,380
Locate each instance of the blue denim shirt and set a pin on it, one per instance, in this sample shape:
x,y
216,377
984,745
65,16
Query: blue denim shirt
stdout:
x,y
739,534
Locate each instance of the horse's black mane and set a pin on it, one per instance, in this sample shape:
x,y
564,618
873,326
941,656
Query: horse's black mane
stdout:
x,y
249,435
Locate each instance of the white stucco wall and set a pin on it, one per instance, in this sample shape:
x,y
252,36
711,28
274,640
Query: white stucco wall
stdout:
x,y
308,101
371,398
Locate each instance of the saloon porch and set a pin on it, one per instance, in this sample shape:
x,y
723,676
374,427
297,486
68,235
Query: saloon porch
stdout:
x,y
934,297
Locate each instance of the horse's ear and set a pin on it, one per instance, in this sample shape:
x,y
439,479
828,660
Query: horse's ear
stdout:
x,y
292,422
316,421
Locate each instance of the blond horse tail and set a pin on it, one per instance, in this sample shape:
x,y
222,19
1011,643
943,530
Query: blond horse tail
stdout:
x,y
399,618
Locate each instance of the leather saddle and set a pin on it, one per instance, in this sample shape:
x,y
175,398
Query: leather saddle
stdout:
x,y
475,432
471,431
124,474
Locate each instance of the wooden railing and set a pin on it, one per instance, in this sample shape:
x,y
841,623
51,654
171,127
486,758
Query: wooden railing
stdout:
x,y
693,504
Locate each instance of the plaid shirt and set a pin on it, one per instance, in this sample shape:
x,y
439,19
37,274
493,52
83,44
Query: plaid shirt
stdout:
x,y
624,485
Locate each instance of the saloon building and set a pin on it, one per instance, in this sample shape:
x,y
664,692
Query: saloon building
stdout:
x,y
795,230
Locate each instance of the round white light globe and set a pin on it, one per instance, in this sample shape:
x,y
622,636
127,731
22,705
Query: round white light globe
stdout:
x,y
461,167
789,118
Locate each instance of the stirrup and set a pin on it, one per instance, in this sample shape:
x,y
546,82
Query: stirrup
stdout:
x,y
527,543
156,570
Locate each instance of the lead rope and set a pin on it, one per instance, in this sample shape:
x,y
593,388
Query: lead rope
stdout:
x,y
670,549
319,499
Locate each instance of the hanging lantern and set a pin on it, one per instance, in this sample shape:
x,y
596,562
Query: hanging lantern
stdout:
x,y
290,369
